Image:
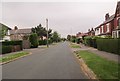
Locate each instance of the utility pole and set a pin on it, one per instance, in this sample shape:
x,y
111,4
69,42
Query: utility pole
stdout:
x,y
47,32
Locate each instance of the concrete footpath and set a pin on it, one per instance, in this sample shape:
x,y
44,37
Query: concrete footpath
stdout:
x,y
109,56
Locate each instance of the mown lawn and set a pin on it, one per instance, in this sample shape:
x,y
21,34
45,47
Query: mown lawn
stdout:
x,y
73,45
12,56
103,68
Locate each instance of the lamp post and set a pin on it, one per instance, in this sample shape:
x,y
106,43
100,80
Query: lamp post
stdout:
x,y
47,31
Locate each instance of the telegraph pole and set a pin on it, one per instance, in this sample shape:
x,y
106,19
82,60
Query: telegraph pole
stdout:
x,y
47,32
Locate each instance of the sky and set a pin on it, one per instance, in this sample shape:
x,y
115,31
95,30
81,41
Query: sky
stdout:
x,y
65,17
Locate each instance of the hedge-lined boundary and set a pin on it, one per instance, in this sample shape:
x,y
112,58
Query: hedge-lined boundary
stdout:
x,y
89,41
109,45
11,46
44,42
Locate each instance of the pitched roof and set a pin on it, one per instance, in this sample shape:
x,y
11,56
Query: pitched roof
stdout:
x,y
108,20
2,25
20,31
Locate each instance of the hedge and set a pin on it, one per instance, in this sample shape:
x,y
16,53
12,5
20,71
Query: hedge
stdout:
x,y
89,41
6,49
13,43
44,42
109,45
11,46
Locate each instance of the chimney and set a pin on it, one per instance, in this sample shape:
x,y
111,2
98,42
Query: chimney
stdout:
x,y
107,16
15,28
88,30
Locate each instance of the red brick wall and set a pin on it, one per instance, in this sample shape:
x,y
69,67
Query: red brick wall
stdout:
x,y
115,23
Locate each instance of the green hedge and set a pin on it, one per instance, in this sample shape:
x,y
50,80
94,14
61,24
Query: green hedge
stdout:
x,y
13,43
90,41
109,45
44,42
7,46
6,49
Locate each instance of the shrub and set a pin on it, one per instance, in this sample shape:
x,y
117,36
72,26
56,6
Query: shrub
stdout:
x,y
13,43
78,40
109,45
44,42
88,41
6,49
33,40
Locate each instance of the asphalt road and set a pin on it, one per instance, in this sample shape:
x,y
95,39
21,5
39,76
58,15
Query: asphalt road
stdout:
x,y
56,62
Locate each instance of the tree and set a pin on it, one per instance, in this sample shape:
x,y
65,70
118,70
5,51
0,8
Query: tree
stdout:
x,y
69,37
55,37
41,31
34,40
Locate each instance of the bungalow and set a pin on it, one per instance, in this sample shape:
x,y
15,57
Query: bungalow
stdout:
x,y
19,34
116,29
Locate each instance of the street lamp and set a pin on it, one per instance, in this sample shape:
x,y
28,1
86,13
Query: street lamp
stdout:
x,y
47,31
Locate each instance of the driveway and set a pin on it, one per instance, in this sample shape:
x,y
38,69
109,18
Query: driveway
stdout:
x,y
56,62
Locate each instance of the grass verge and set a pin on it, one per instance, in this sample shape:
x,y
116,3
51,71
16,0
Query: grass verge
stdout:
x,y
103,68
12,56
73,45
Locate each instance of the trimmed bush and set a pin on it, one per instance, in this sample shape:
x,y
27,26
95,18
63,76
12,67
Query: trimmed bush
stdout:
x,y
13,43
11,46
109,45
88,41
44,42
34,40
6,49
78,40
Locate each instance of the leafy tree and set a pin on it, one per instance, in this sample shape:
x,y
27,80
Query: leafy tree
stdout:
x,y
41,31
69,37
34,40
55,37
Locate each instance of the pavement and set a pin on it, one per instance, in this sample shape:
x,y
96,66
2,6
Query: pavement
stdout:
x,y
109,56
55,62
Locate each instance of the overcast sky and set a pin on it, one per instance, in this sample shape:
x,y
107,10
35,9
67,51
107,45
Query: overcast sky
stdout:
x,y
64,17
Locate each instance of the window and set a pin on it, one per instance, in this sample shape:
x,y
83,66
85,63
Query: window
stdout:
x,y
108,27
118,34
119,22
102,28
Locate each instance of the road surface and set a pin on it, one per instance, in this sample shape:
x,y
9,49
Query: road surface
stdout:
x,y
56,62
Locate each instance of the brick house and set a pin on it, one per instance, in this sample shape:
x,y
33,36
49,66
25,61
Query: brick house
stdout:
x,y
111,25
91,32
116,29
105,29
81,35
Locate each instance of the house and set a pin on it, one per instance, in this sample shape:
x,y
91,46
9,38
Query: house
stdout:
x,y
111,25
19,34
116,29
4,30
91,32
81,35
105,29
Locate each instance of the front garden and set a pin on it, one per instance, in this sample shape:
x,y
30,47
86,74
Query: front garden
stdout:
x,y
104,69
